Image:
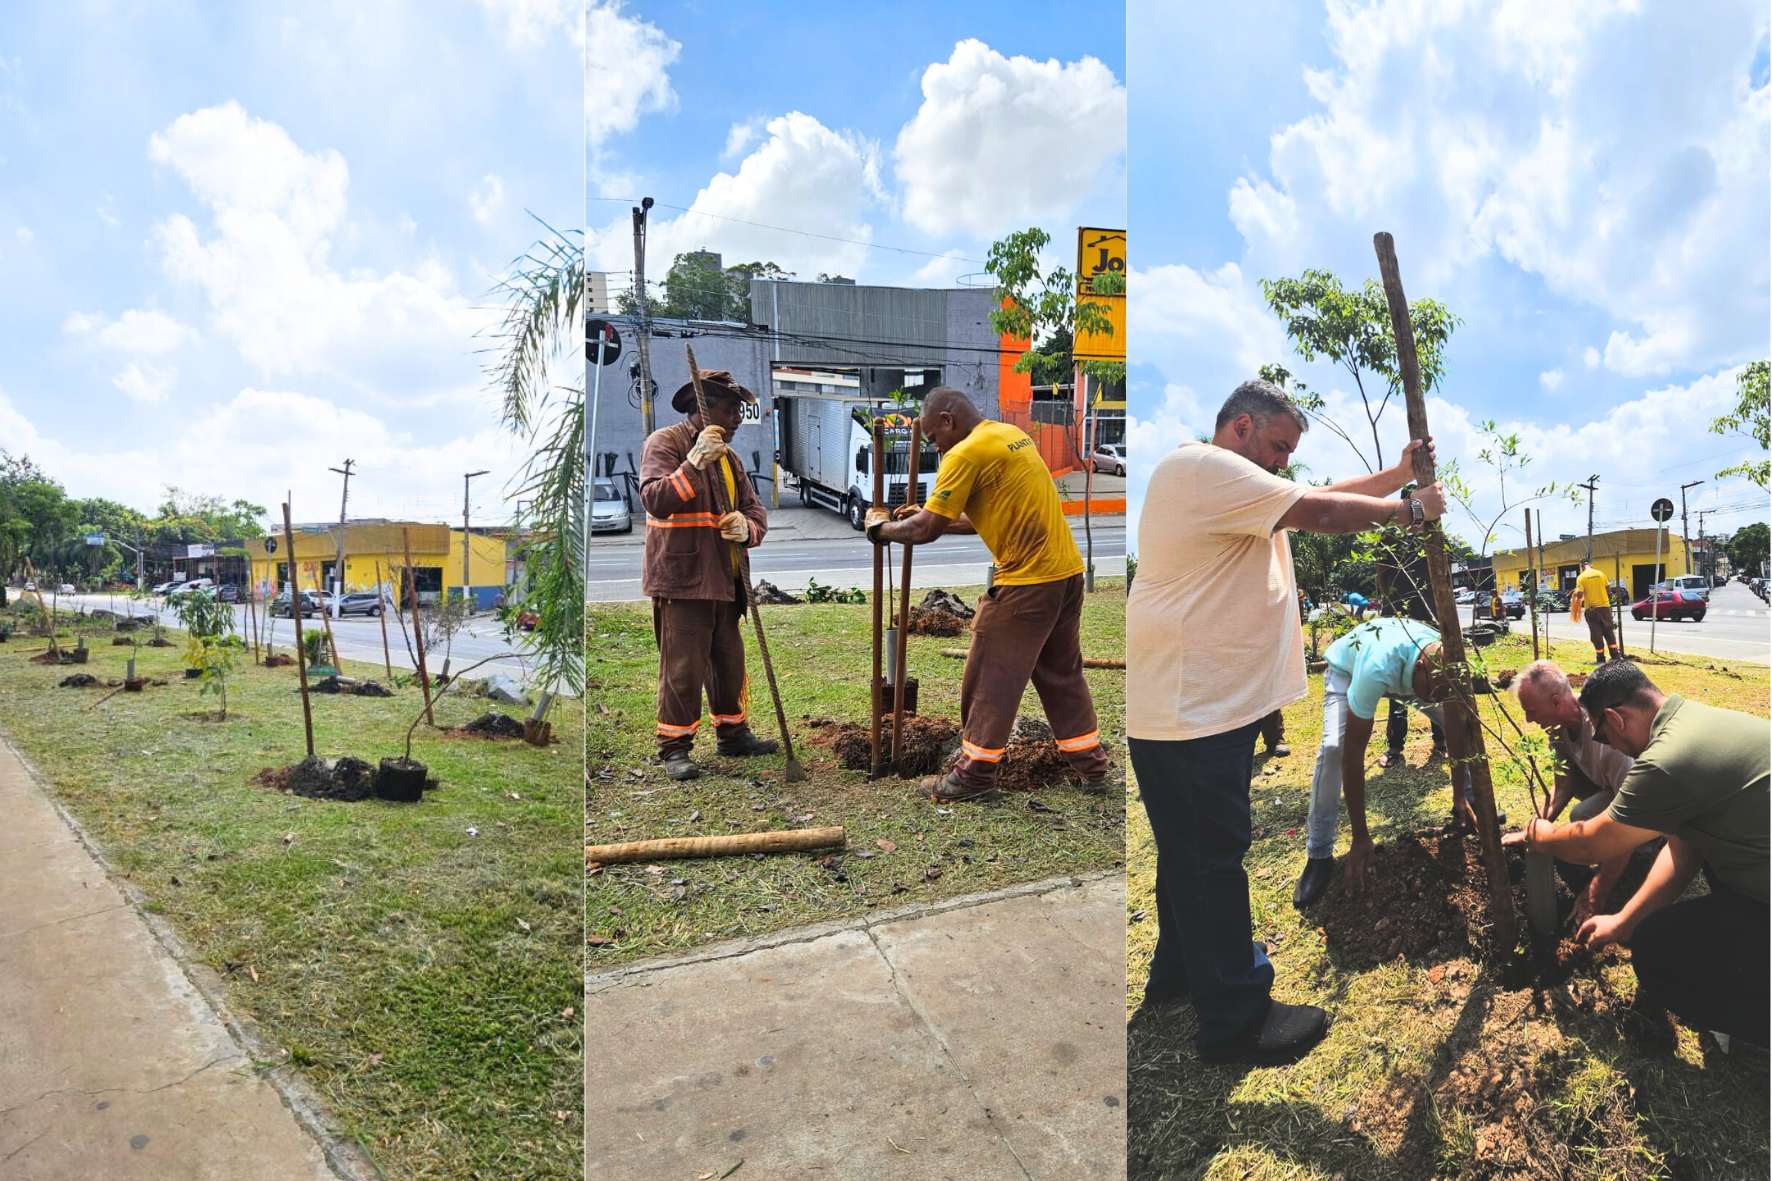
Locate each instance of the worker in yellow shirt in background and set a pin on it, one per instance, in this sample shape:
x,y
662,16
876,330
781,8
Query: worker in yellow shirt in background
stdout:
x,y
1596,607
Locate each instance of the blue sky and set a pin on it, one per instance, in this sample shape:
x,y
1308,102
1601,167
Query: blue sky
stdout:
x,y
244,242
934,127
1587,186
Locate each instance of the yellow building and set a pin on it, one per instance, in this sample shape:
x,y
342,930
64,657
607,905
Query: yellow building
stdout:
x,y
1624,556
374,553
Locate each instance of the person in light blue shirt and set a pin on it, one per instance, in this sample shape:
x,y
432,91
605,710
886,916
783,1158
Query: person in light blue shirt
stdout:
x,y
1356,602
1387,657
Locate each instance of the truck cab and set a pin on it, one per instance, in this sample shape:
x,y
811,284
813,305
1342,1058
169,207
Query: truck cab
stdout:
x,y
827,446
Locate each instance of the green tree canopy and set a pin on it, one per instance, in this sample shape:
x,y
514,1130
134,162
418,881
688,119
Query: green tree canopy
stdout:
x,y
1747,550
1752,417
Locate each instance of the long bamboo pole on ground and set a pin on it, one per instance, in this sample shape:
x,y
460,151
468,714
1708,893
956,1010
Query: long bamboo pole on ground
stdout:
x,y
1464,735
904,605
1088,662
301,657
795,840
381,613
418,631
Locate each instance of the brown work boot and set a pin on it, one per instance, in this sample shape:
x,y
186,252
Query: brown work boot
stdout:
x,y
950,789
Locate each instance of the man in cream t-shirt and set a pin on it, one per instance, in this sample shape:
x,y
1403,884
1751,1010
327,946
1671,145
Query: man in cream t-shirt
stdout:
x,y
1212,648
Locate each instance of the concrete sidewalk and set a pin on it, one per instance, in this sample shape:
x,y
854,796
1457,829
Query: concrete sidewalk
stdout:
x,y
112,1063
979,1038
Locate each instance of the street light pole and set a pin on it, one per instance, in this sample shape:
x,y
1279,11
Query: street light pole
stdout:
x,y
338,567
1591,481
466,588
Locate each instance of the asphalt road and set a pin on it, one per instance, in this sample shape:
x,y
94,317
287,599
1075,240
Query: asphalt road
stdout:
x,y
358,636
1737,626
613,572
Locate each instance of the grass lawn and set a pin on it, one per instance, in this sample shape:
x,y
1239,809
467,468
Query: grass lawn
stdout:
x,y
426,981
1432,1067
902,848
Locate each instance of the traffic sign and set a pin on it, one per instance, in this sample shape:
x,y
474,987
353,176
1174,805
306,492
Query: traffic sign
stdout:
x,y
270,545
95,539
1662,510
604,331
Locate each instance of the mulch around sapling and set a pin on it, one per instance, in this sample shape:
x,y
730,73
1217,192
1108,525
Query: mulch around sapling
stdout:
x,y
346,688
1030,762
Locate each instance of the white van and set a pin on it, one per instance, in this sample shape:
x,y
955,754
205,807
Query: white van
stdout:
x,y
1693,586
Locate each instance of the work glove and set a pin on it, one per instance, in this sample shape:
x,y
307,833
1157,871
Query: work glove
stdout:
x,y
709,446
873,521
736,527
905,512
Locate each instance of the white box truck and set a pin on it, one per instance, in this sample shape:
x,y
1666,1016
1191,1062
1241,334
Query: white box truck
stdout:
x,y
826,443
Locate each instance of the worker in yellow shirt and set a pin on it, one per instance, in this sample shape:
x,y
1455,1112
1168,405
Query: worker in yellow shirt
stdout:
x,y
992,481
1596,607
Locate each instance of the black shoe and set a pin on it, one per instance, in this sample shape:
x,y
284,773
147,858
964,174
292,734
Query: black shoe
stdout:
x,y
678,766
744,745
1285,1035
1313,881
1279,750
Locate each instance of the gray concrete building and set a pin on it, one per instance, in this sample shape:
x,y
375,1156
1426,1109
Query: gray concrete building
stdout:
x,y
883,334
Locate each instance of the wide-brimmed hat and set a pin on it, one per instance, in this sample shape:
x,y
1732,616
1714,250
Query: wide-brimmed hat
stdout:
x,y
715,383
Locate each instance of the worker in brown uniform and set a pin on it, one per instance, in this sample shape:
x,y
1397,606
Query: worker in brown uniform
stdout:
x,y
993,482
691,573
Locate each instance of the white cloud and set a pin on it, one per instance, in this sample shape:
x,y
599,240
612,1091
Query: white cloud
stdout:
x,y
488,198
1531,134
1003,141
1175,313
1551,379
738,137
627,62
802,175
264,265
943,270
147,384
530,24
1590,357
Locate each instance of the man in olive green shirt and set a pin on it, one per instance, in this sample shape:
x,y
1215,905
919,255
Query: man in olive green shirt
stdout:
x,y
1700,777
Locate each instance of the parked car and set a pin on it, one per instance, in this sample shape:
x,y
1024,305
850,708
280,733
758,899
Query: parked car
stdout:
x,y
66,588
311,604
609,512
1668,602
195,584
230,592
1464,596
1695,586
166,588
1109,458
1514,603
362,603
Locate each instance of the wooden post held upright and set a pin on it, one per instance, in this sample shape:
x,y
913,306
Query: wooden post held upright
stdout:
x,y
418,631
301,657
1464,734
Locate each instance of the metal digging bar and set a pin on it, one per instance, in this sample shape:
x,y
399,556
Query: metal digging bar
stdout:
x,y
904,606
794,773
876,682
1464,736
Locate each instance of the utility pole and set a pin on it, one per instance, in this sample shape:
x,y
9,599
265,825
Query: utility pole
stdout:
x,y
1704,557
466,586
1591,481
338,567
1684,538
644,341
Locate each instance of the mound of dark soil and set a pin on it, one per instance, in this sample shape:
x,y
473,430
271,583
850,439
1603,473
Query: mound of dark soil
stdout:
x,y
490,725
121,641
348,688
159,642
51,656
925,622
278,660
372,689
769,594
347,778
1030,762
79,681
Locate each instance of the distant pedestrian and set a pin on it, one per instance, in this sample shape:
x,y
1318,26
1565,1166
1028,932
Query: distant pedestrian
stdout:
x,y
1356,602
1596,608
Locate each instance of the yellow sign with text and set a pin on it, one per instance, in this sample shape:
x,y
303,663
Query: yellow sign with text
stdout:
x,y
1101,252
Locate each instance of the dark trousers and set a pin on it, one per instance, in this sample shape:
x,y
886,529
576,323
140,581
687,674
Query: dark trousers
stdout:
x,y
1196,793
1024,633
1706,960
700,649
1601,631
1396,727
1273,729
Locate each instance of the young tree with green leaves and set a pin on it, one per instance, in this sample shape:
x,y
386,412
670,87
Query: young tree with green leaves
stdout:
x,y
1752,417
210,643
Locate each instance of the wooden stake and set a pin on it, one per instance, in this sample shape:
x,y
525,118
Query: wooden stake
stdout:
x,y
1532,602
1464,734
301,657
904,603
418,631
381,613
794,840
879,605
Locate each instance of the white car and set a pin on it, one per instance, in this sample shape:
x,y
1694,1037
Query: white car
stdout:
x,y
195,584
1464,597
166,588
66,588
609,512
1110,458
